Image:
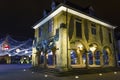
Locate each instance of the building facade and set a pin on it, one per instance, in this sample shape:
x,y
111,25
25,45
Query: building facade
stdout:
x,y
68,38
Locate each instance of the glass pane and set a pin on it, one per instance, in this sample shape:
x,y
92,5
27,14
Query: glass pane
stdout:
x,y
73,57
97,58
90,56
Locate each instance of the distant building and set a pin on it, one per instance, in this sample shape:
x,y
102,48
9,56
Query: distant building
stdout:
x,y
69,38
13,51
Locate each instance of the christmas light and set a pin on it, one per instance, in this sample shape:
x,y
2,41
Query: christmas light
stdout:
x,y
11,47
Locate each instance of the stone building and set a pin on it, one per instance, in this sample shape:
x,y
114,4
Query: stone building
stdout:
x,y
68,38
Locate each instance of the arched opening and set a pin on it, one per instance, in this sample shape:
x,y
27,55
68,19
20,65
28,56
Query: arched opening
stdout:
x,y
94,55
78,55
106,56
73,57
41,58
50,60
90,58
97,57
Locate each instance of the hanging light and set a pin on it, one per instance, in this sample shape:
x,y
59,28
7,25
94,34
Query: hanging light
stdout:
x,y
17,50
26,51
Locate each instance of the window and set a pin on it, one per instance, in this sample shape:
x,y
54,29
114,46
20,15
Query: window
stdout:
x,y
50,25
73,57
97,57
57,34
40,32
78,29
105,57
109,35
93,29
90,58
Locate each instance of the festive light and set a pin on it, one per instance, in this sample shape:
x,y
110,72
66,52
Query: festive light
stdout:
x,y
11,47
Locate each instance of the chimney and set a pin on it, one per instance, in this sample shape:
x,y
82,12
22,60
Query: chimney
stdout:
x,y
53,5
91,11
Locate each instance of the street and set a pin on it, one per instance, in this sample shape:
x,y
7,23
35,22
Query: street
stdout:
x,y
22,72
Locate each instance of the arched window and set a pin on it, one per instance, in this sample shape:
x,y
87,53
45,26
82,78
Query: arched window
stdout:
x,y
84,58
90,58
50,58
105,57
73,57
41,58
97,57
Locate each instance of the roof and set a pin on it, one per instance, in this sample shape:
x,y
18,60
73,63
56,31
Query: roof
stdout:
x,y
74,11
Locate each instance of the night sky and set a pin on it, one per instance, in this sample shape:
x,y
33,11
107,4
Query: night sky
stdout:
x,y
18,16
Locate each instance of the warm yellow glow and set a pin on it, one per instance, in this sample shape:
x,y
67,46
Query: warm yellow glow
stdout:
x,y
76,77
115,72
34,50
84,61
100,74
93,49
80,46
63,8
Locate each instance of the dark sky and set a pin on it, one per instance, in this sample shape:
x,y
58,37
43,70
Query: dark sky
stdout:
x,y
18,16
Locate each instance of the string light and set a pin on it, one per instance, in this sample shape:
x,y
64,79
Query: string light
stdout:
x,y
11,47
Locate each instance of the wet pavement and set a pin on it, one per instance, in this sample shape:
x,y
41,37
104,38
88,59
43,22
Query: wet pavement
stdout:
x,y
22,72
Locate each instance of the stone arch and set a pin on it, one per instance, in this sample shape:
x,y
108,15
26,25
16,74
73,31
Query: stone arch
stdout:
x,y
94,54
107,56
94,44
78,54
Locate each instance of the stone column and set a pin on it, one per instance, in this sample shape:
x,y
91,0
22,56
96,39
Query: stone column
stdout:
x,y
34,57
63,47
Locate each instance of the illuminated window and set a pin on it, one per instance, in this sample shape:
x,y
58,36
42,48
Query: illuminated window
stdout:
x,y
78,28
105,57
90,58
97,57
50,58
93,29
73,57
